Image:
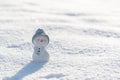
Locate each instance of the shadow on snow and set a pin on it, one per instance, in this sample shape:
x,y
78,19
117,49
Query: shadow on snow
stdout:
x,y
27,70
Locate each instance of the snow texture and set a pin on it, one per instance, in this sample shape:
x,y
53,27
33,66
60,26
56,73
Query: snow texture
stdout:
x,y
84,39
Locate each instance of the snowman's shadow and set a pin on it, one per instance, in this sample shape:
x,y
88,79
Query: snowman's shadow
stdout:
x,y
27,70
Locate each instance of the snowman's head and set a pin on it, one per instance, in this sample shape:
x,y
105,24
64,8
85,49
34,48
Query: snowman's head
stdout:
x,y
40,39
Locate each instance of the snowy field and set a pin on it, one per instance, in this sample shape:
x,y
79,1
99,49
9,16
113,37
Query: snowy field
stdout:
x,y
84,39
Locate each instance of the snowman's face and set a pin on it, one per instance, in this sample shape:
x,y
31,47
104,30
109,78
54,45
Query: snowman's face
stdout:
x,y
41,40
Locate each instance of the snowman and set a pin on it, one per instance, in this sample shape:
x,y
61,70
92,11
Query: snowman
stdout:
x,y
40,41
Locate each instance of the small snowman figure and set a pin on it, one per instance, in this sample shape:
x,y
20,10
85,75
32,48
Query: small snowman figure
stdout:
x,y
40,41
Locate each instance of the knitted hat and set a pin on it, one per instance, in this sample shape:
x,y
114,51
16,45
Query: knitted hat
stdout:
x,y
40,31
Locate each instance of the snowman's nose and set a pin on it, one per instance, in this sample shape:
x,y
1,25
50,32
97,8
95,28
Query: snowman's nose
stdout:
x,y
42,41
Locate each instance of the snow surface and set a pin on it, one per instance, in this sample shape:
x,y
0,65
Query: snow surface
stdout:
x,y
84,39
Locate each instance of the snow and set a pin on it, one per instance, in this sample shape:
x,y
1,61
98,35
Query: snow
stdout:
x,y
84,39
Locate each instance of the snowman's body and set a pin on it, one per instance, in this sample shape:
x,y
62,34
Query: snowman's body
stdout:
x,y
40,41
40,54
